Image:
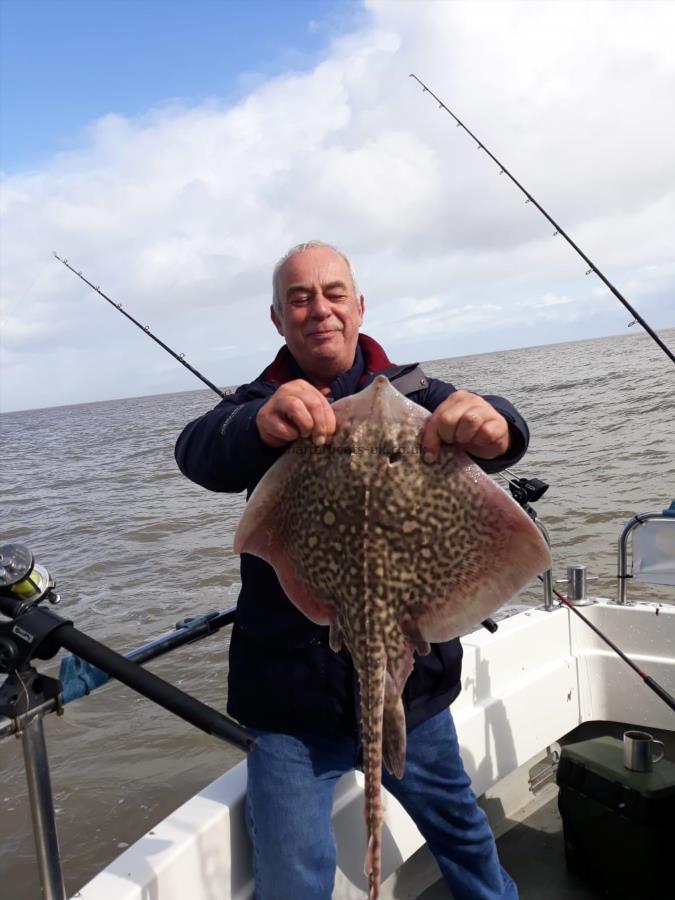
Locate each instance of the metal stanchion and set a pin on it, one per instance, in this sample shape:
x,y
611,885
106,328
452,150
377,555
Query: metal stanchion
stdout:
x,y
42,809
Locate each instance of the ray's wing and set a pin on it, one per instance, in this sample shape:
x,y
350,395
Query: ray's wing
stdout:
x,y
470,546
276,530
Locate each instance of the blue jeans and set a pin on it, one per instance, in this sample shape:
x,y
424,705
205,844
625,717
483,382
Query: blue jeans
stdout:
x,y
291,782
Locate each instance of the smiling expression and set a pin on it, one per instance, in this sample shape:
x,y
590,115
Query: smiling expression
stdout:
x,y
320,313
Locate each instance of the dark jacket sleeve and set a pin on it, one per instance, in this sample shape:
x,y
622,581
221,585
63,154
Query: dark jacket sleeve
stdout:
x,y
222,450
438,391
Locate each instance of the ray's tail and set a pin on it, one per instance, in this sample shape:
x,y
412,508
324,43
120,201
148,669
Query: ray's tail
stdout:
x,y
372,681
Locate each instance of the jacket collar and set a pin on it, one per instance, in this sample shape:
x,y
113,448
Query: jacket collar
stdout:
x,y
370,358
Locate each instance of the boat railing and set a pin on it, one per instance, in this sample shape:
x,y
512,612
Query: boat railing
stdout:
x,y
653,550
547,577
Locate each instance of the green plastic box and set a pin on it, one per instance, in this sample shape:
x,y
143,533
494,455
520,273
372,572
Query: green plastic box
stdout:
x,y
618,825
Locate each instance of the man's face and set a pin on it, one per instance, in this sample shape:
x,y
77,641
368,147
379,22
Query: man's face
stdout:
x,y
320,313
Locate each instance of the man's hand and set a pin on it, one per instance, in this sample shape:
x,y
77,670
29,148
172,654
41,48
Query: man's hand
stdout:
x,y
470,423
296,409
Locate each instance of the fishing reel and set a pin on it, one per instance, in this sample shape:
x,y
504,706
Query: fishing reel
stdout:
x,y
23,581
29,633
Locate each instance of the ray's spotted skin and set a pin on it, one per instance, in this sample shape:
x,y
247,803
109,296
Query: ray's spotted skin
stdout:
x,y
389,551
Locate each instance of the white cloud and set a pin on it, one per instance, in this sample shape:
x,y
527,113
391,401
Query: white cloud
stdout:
x,y
180,214
550,299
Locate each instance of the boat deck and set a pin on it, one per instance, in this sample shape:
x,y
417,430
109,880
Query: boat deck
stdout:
x,y
532,849
533,853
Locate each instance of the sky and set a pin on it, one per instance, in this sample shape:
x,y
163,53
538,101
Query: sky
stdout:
x,y
173,151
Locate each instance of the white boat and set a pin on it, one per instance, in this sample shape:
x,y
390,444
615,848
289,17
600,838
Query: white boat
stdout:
x,y
544,680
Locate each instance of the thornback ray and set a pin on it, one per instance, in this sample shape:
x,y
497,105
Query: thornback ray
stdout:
x,y
390,552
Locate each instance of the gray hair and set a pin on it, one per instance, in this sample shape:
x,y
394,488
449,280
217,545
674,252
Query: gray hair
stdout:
x,y
308,245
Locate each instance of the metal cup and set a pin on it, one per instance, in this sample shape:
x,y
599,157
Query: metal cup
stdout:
x,y
638,751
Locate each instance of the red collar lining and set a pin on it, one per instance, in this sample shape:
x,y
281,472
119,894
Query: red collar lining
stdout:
x,y
284,367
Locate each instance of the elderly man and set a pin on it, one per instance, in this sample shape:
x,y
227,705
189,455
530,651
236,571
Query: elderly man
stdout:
x,y
285,683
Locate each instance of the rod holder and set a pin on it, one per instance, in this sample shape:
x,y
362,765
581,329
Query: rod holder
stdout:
x,y
576,583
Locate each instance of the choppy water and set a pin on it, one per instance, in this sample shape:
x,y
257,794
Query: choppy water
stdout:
x,y
95,493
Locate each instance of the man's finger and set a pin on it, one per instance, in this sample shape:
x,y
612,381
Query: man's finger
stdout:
x,y
274,429
295,410
431,440
323,417
282,431
320,410
443,423
470,421
491,440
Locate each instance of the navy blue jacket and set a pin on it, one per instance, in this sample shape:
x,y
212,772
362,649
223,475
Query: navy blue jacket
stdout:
x,y
283,676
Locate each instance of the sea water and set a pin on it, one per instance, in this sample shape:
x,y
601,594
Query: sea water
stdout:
x,y
94,491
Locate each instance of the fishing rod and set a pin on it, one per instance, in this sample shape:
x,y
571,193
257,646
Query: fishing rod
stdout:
x,y
558,229
488,623
144,328
648,680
